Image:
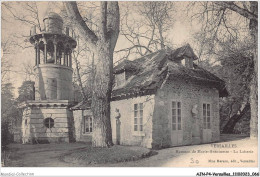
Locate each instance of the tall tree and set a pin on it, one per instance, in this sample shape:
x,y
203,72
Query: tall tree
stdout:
x,y
253,16
158,15
5,61
102,43
26,91
227,21
10,114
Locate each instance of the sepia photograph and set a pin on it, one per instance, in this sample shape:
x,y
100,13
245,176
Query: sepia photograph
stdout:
x,y
129,84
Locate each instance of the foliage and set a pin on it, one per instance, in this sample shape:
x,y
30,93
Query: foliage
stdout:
x,y
238,67
8,102
5,136
235,66
228,33
10,115
26,91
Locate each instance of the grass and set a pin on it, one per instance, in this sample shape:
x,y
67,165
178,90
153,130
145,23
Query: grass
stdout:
x,y
20,155
70,154
113,154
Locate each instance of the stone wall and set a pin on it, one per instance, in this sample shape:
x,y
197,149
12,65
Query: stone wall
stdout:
x,y
53,82
78,116
127,134
161,123
33,124
189,94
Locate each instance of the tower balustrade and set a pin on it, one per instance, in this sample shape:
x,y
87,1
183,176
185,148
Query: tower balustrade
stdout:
x,y
55,43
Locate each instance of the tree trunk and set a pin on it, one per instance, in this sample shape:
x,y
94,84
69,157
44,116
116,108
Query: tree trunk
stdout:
x,y
161,37
103,46
253,84
229,127
254,109
101,94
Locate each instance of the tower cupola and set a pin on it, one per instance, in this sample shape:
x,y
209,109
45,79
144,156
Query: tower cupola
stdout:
x,y
53,23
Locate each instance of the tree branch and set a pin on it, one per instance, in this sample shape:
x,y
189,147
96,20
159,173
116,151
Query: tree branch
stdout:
x,y
244,12
113,20
135,46
73,13
103,18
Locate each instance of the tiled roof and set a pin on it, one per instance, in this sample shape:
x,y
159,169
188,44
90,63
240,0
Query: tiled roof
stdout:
x,y
153,68
126,65
83,105
185,50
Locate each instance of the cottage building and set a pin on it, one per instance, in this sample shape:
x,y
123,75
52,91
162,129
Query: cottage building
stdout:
x,y
162,99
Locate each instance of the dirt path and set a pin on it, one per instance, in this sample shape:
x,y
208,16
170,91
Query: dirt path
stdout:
x,y
243,154
241,150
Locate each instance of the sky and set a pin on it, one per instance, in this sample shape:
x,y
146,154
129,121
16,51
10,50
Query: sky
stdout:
x,y
181,33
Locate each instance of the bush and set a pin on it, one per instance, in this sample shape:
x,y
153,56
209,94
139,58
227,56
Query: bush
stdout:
x,y
5,136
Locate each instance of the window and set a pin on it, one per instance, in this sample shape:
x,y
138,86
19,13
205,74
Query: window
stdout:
x,y
87,124
49,122
120,79
187,62
138,117
176,115
183,62
206,116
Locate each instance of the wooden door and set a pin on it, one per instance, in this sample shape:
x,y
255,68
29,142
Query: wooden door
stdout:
x,y
176,123
207,134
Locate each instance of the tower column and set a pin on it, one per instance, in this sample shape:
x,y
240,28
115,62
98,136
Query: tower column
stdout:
x,y
63,56
70,59
66,56
37,51
59,56
45,50
55,52
55,49
36,54
45,53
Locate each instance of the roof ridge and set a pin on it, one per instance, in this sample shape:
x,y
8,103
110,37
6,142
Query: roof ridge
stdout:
x,y
212,74
148,54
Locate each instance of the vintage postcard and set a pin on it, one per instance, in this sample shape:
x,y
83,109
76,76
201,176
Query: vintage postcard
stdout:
x,y
129,84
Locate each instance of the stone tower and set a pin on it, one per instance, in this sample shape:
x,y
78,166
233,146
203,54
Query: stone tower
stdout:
x,y
48,117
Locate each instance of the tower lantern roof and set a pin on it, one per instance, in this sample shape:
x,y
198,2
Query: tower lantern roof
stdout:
x,y
53,15
53,30
53,23
54,41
